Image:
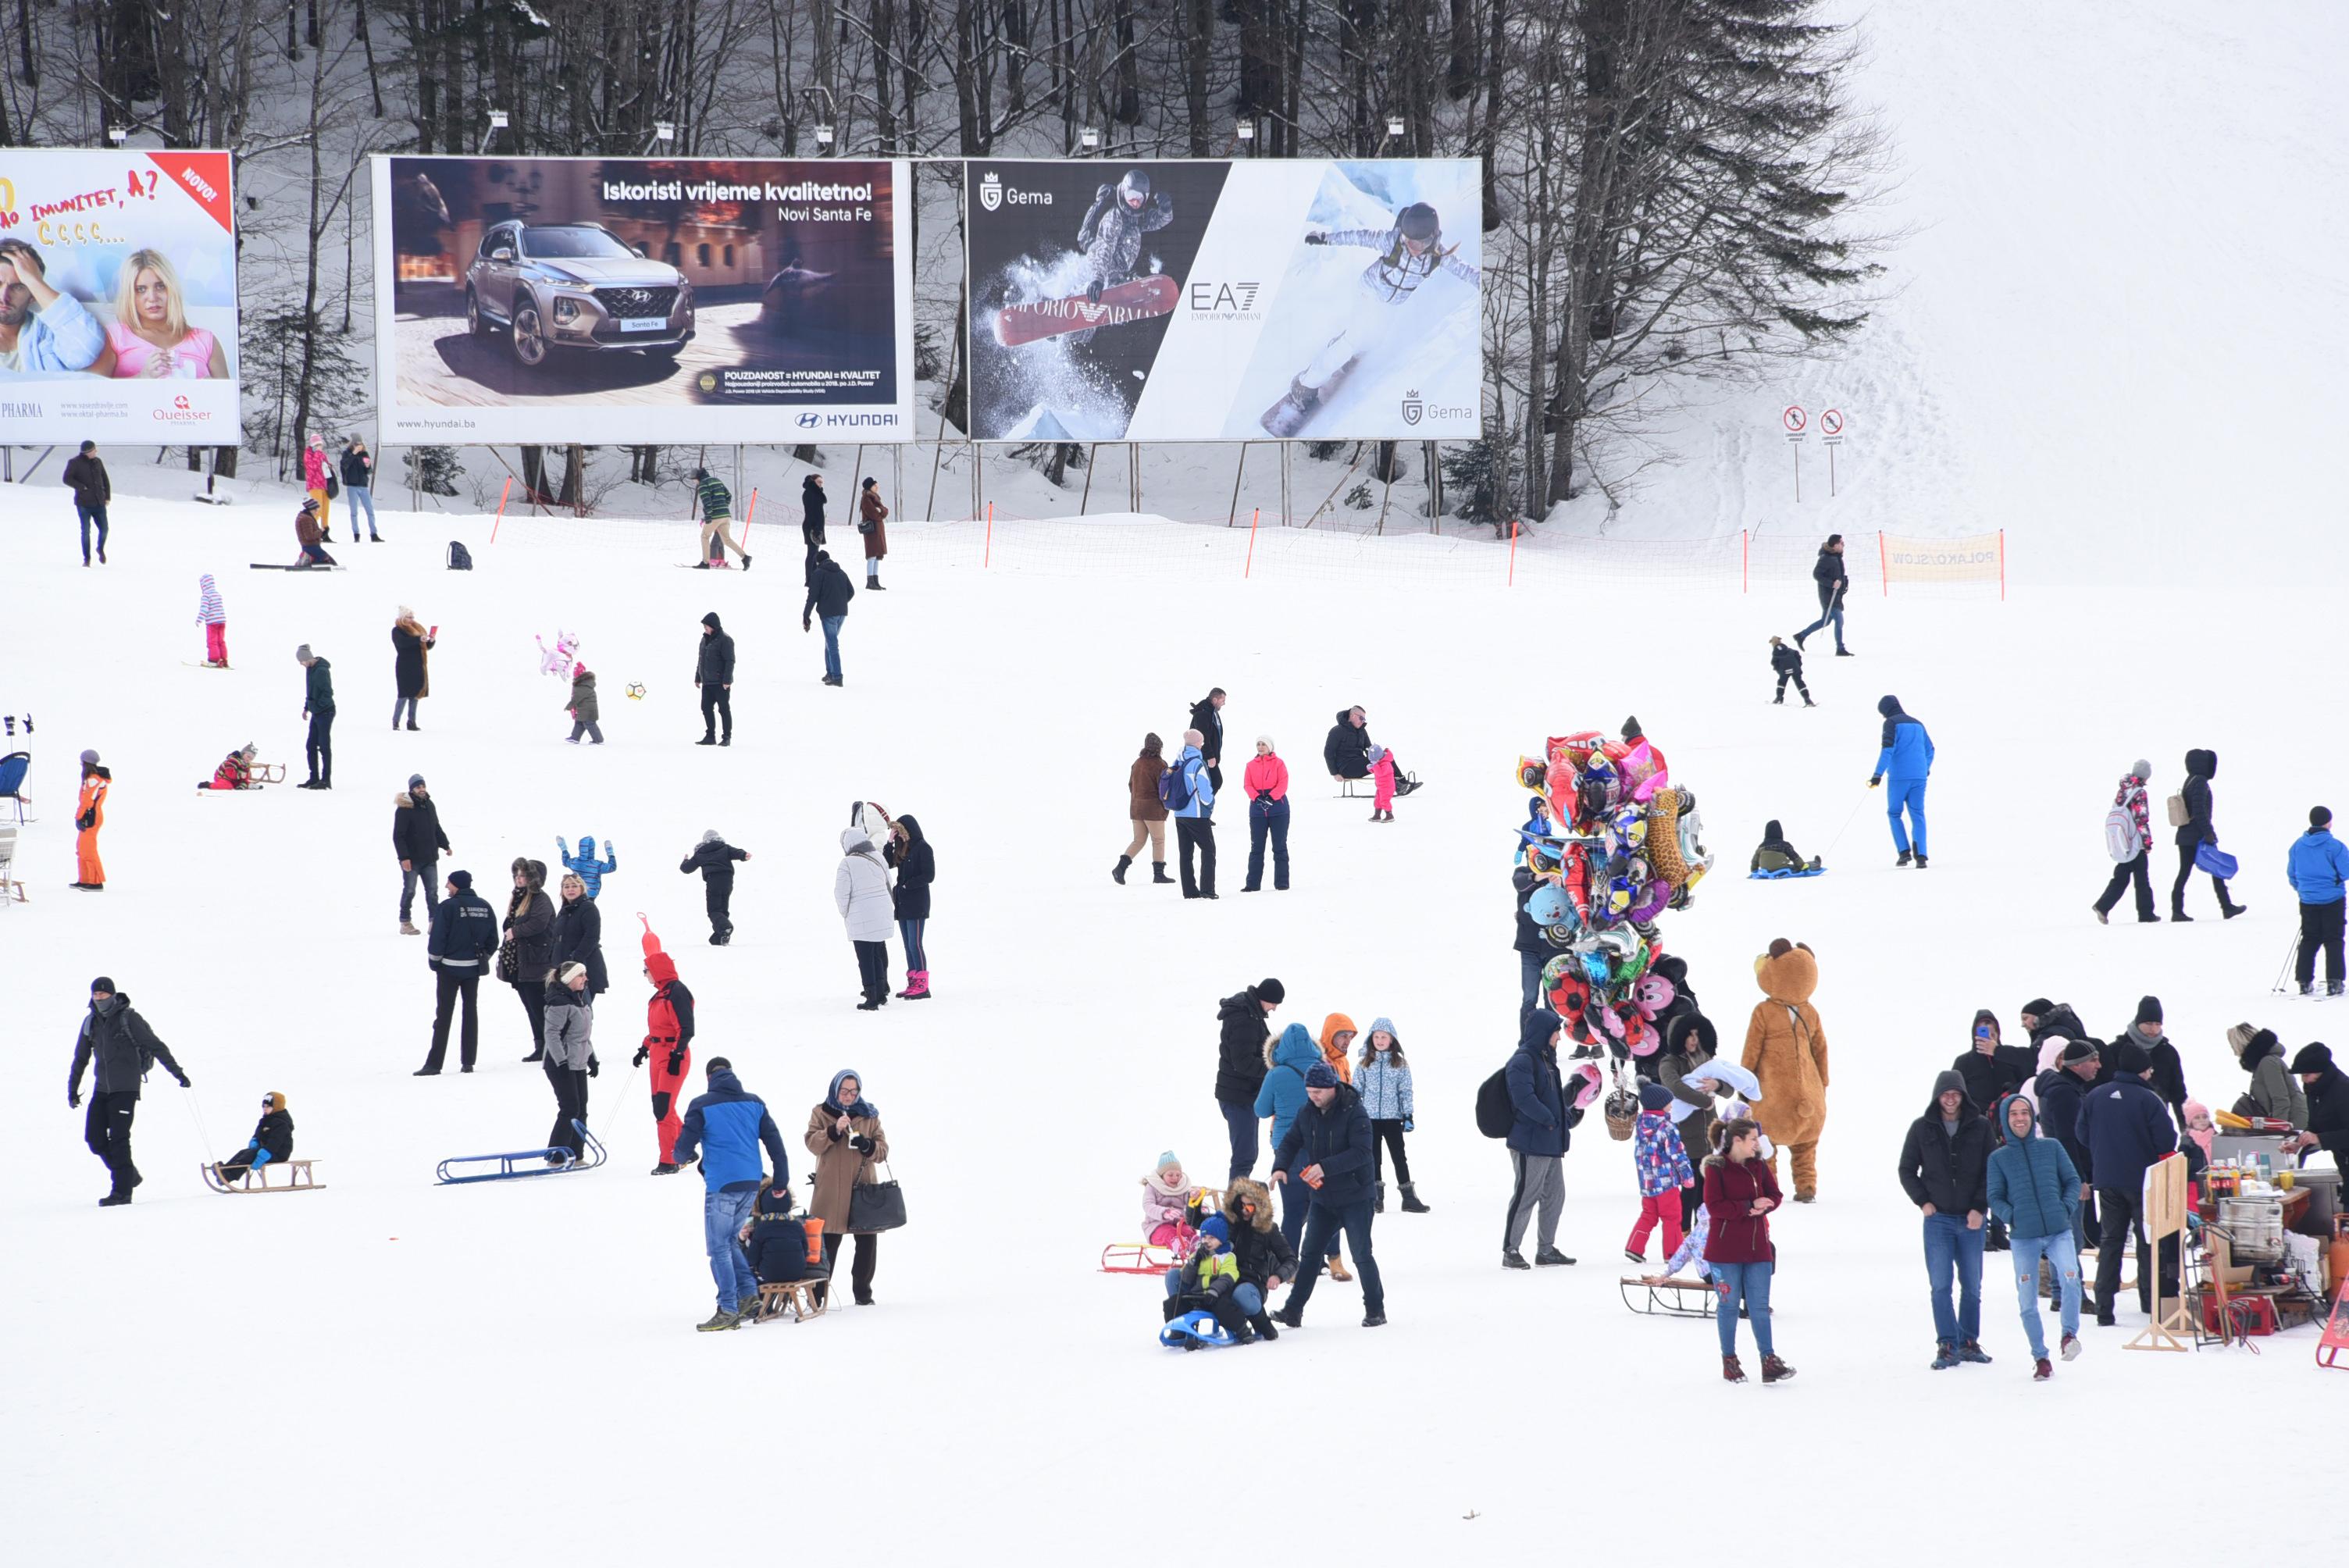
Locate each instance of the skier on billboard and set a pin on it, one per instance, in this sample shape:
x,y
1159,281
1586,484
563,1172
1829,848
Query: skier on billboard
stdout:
x,y
1111,235
1409,253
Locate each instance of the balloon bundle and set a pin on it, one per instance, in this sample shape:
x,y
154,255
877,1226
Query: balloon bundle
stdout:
x,y
1616,843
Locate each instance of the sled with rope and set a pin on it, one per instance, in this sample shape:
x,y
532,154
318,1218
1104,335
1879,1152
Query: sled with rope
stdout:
x,y
455,1171
1155,1257
235,1179
1667,1297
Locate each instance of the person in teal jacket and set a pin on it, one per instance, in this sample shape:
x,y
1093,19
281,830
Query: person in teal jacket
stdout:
x,y
1907,758
2316,867
1281,1097
2034,1191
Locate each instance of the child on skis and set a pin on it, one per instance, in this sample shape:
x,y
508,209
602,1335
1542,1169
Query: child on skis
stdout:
x,y
1383,1080
1664,1169
585,865
215,622
582,706
1788,662
1166,1203
1383,782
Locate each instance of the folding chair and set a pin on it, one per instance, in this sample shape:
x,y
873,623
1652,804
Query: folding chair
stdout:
x,y
13,768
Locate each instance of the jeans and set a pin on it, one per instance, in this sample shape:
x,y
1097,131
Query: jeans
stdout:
x,y
1196,836
1268,816
1908,792
723,1215
320,747
1746,1284
88,515
399,703
2058,1251
917,957
832,644
409,880
1246,1297
361,499
2319,926
1323,1222
1529,973
1295,1204
2127,872
586,727
1953,1247
1239,1117
1832,612
452,985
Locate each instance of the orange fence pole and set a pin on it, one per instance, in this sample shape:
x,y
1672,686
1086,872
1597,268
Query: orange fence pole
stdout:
x,y
1884,562
1513,552
748,513
988,559
502,509
1249,569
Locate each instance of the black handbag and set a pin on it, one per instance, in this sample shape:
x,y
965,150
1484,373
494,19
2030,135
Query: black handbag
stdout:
x,y
876,1206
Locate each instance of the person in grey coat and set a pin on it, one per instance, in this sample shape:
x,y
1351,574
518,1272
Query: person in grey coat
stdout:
x,y
120,1045
570,1049
861,888
2274,1092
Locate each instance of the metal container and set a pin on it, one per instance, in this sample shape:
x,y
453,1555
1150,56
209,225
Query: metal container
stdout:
x,y
2254,1228
2324,1188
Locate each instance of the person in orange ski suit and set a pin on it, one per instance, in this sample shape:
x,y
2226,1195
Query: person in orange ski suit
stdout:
x,y
668,1032
89,816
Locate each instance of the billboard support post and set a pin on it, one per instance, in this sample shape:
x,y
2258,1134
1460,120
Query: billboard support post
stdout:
x,y
1092,454
1238,470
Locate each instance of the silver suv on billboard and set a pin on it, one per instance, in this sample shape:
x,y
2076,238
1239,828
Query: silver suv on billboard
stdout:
x,y
575,285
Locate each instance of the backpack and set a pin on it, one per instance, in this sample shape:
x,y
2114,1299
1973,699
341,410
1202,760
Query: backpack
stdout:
x,y
460,558
2122,840
1174,789
2176,809
1495,1111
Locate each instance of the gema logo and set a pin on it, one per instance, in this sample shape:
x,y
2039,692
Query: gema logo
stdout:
x,y
1412,408
991,191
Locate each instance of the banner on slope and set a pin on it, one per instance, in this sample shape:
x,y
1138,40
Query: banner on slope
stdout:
x,y
651,300
118,297
1214,301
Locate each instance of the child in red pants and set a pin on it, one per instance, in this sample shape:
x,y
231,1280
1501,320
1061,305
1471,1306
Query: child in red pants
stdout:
x,y
1382,783
1664,1170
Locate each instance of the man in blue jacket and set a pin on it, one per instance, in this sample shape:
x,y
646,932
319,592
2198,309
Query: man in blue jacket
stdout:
x,y
1907,758
2127,1130
2317,866
734,1122
1329,1148
465,935
1195,826
1537,1140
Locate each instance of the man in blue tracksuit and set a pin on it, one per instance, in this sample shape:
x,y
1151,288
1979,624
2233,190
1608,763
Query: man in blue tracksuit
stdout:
x,y
1907,760
2317,865
734,1122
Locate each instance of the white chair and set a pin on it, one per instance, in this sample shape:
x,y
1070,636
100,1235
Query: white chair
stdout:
x,y
8,866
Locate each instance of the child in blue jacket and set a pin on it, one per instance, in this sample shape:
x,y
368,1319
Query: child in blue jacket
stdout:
x,y
1382,1078
1282,1095
585,865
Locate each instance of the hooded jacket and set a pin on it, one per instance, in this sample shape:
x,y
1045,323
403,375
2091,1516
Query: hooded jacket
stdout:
x,y
2061,1092
2034,1188
416,835
581,703
209,610
1908,754
1282,1094
1988,1077
1208,720
530,921
2201,767
812,500
1738,1235
1786,1048
1143,804
1829,572
859,888
1332,1052
570,1026
120,1043
1544,1126
273,1134
1384,1083
829,592
318,687
871,522
778,1246
1259,1246
715,861
1347,751
917,868
2059,1022
2274,1092
1774,853
713,664
1338,1139
586,866
728,1124
1240,1055
1950,1172
2127,1129
2317,866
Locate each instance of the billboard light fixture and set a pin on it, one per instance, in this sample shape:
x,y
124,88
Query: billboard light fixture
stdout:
x,y
497,119
1245,130
1394,125
116,134
1090,138
665,129
823,135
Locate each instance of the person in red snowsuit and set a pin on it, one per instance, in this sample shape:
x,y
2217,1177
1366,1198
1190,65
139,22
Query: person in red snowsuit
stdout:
x,y
669,1034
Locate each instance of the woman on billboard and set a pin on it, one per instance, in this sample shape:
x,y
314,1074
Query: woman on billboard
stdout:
x,y
150,335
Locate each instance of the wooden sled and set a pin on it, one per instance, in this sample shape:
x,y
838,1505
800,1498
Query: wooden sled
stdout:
x,y
1668,1298
1136,1258
298,1178
797,1297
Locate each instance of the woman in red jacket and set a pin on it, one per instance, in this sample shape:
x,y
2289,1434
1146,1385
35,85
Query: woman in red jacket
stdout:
x,y
1267,783
1739,1190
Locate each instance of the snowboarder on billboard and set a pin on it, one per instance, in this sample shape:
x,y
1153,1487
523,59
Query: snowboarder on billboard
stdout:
x,y
1110,235
1410,251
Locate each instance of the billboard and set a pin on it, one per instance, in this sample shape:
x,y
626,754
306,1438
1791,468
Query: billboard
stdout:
x,y
118,297
1210,301
654,301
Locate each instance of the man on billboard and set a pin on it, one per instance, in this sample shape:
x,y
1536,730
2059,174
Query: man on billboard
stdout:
x,y
43,332
1410,250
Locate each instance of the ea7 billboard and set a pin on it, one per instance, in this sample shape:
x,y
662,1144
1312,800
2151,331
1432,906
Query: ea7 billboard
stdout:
x,y
118,297
654,301
1204,301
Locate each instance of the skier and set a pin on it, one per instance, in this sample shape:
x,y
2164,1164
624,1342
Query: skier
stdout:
x,y
271,1142
214,620
1111,235
735,1124
1908,756
120,1045
318,707
1410,252
585,865
668,1041
89,816
713,672
714,858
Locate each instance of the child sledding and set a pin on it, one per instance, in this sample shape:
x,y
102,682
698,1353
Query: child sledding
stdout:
x,y
242,770
1776,859
271,1147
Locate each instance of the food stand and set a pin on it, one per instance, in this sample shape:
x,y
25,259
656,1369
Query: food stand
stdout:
x,y
2274,1246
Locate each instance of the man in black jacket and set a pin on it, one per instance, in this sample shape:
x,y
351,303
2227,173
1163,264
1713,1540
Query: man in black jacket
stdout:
x,y
1328,1150
121,1045
713,672
1827,574
812,500
2165,1073
829,592
1240,1066
91,490
1533,949
318,707
714,858
1945,1171
2061,1090
2128,1130
418,842
1347,751
465,937
1207,719
2328,1105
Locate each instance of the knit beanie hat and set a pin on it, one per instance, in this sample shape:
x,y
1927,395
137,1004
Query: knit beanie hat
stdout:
x,y
107,985
2039,1006
709,836
2080,1051
2132,1057
462,880
2318,816
1272,991
302,654
1321,1075
1167,1161
1654,1097
2148,1010
2312,1059
416,781
2140,768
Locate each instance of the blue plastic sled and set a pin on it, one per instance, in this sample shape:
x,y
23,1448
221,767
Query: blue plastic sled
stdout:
x,y
1197,1327
2216,862
1785,876
523,1163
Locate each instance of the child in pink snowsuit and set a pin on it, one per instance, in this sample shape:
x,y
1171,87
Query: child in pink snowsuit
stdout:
x,y
1383,780
1165,1198
1664,1170
215,619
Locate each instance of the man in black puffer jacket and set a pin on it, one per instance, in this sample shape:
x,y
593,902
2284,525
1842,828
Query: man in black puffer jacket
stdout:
x,y
1347,751
121,1045
2062,1088
1945,1171
1240,1066
1328,1150
829,592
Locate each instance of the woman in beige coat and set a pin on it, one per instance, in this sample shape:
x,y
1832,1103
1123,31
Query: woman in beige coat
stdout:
x,y
1786,1049
844,1135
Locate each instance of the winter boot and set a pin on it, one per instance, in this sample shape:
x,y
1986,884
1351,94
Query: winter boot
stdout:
x,y
1264,1328
2307,988
1410,1203
664,1169
2333,987
722,1320
1158,876
1731,1372
1513,1259
1117,873
1905,858
407,928
1774,1371
1945,1356
1379,1201
1337,1269
1289,1316
919,991
2232,910
1921,860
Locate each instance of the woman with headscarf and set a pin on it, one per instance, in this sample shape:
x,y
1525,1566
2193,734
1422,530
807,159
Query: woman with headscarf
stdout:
x,y
411,642
526,958
1146,812
843,1133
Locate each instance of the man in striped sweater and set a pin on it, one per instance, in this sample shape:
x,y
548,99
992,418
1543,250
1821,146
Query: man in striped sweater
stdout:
x,y
716,503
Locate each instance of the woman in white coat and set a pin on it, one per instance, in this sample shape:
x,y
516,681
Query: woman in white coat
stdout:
x,y
861,887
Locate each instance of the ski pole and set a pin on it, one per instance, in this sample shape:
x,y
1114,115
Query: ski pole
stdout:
x,y
2283,976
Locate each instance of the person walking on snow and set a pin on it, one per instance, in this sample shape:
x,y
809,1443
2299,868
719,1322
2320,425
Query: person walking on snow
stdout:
x,y
714,858
1788,662
871,517
118,1043
85,475
1328,1150
2034,1192
1663,1170
1741,1188
1944,1168
417,843
582,707
464,939
214,621
1240,1066
357,466
829,592
668,1045
318,707
713,672
412,646
716,504
1146,811
1907,757
1410,252
1828,574
2126,829
1191,798
908,856
860,890
2316,867
1265,782
812,498
1539,1135
583,865
89,816
2201,767
1786,1052
729,1125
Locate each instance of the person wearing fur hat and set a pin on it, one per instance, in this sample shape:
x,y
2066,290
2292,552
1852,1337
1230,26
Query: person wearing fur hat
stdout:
x,y
2317,866
2327,1088
464,938
2165,1073
1261,1255
2127,1129
1384,1079
271,1140
1167,1196
570,1014
2034,1192
2132,871
714,858
1661,1163
2201,767
1266,783
412,646
1540,1130
1786,1051
2274,1092
1328,1150
1944,1168
1241,1064
843,1133
668,1045
526,956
